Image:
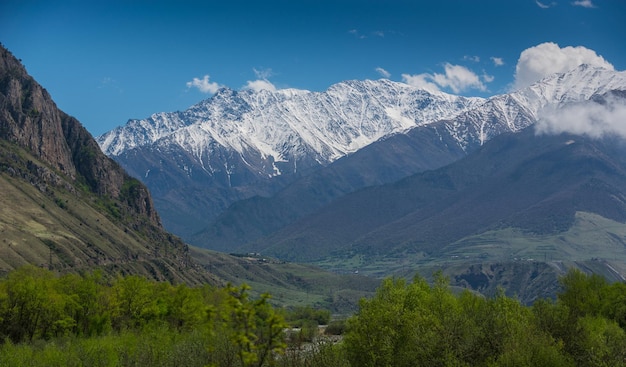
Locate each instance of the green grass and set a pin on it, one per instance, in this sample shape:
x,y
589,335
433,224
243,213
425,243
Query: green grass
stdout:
x,y
591,237
290,284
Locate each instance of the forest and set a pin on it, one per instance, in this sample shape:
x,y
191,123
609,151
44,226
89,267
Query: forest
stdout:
x,y
88,319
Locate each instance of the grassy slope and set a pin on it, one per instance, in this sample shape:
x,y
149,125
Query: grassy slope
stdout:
x,y
83,238
523,264
290,284
64,227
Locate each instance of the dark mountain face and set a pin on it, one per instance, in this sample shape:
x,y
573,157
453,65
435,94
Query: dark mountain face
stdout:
x,y
535,184
241,144
385,161
66,204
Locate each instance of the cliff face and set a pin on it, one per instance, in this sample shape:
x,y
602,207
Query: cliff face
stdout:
x,y
30,119
67,206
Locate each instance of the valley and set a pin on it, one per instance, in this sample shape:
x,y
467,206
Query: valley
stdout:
x,y
312,184
466,186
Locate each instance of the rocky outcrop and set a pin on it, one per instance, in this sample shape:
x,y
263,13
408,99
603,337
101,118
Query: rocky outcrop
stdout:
x,y
30,119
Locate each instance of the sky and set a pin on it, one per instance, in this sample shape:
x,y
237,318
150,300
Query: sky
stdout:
x,y
105,62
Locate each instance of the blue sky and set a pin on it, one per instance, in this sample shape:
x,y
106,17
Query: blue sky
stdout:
x,y
105,62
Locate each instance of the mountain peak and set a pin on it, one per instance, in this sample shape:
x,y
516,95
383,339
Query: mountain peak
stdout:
x,y
238,144
330,124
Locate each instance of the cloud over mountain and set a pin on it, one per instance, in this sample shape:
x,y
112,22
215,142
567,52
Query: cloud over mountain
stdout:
x,y
204,85
548,58
589,118
457,78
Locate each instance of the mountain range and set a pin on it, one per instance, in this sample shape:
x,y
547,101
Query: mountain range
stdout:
x,y
374,177
382,178
244,164
241,144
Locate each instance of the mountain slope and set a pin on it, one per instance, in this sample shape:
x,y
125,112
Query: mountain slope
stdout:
x,y
421,148
236,145
384,161
533,184
65,204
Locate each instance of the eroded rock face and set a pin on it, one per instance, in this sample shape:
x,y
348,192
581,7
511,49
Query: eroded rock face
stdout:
x,y
29,118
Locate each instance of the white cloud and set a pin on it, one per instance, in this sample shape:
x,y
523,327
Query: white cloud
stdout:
x,y
497,61
356,33
379,34
384,73
204,85
458,78
545,6
110,83
548,58
263,73
584,3
487,78
420,81
260,84
471,58
589,118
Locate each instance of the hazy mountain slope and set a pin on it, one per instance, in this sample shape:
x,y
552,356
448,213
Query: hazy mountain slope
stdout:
x,y
536,184
387,160
403,154
236,145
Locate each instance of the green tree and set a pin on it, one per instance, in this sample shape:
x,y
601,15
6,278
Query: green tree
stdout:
x,y
420,325
394,328
88,303
31,305
582,294
136,301
599,342
185,308
256,329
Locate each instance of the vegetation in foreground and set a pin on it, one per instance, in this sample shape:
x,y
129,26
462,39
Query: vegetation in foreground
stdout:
x,y
73,320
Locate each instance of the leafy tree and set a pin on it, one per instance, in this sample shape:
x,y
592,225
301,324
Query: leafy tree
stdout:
x,y
582,294
135,302
417,324
31,306
256,328
186,308
88,303
614,303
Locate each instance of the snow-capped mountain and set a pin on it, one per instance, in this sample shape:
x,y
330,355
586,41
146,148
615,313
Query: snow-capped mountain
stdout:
x,y
238,144
288,125
517,110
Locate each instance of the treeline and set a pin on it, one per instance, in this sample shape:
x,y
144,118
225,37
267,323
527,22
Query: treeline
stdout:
x,y
85,320
421,325
132,321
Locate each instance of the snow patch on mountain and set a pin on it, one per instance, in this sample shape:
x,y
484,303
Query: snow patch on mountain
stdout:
x,y
269,128
289,124
517,110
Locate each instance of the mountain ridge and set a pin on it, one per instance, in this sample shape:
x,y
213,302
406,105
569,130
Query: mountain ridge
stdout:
x,y
233,147
498,186
439,142
226,149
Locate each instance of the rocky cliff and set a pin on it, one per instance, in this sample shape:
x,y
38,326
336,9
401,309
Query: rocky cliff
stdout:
x,y
30,119
67,206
